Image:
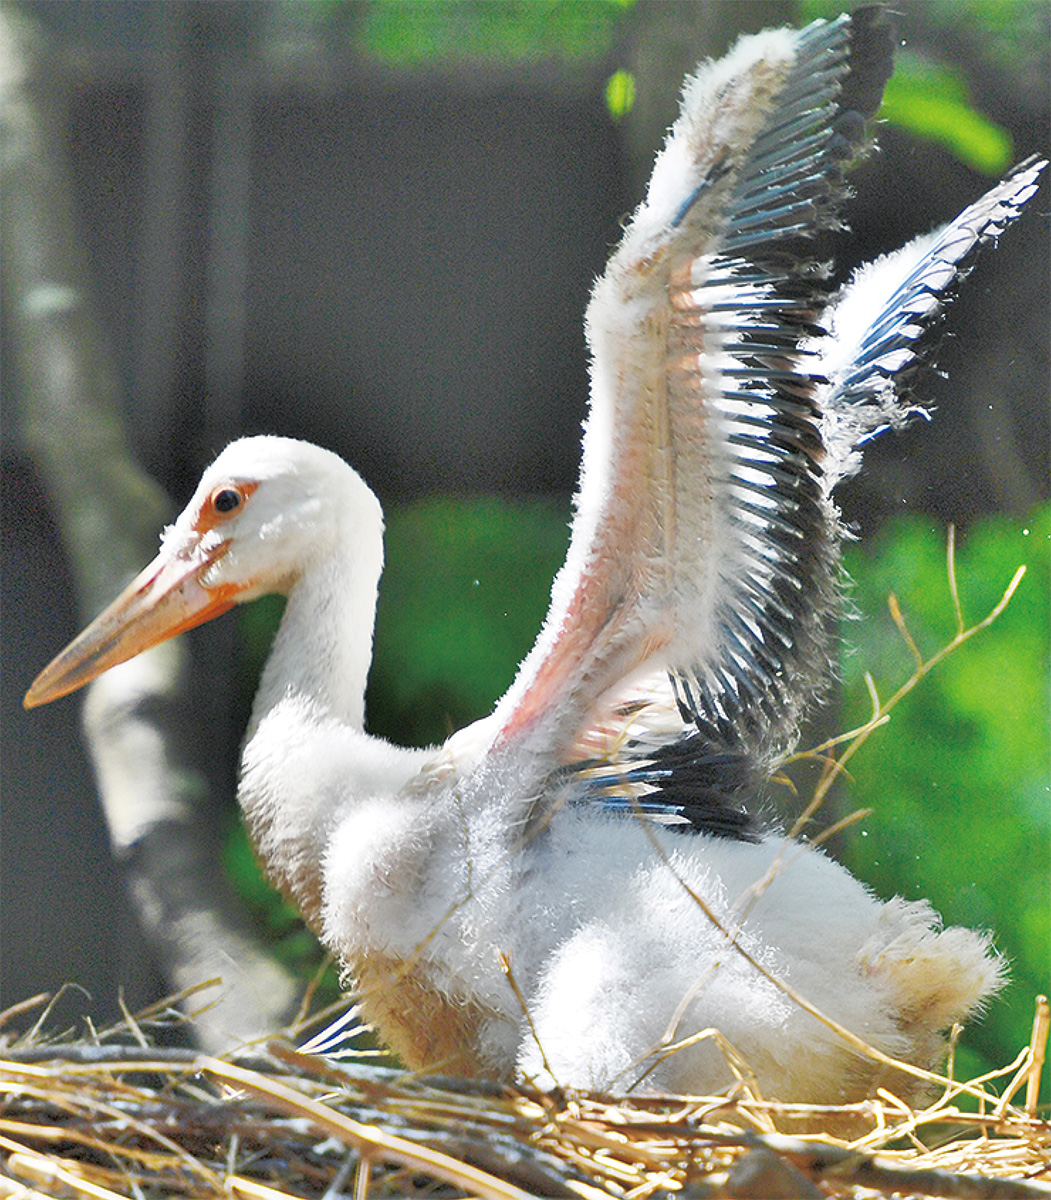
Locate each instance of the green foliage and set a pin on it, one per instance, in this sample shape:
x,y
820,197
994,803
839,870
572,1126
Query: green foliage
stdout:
x,y
427,32
433,31
463,595
931,101
928,99
959,779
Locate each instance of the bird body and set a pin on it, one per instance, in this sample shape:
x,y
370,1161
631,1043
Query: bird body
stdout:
x,y
577,889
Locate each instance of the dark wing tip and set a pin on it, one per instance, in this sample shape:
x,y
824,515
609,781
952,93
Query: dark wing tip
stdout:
x,y
711,787
690,784
747,689
870,63
872,42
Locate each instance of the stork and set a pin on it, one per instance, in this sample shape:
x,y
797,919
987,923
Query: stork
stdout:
x,y
579,888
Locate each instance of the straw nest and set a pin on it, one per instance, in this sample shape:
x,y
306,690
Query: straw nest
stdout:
x,y
116,1116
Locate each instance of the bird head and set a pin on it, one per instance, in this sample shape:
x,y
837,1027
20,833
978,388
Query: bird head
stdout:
x,y
263,511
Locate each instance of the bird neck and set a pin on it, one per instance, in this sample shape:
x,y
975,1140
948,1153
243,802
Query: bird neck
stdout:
x,y
306,755
323,649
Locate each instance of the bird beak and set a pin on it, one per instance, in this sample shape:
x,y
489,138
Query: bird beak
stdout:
x,y
163,600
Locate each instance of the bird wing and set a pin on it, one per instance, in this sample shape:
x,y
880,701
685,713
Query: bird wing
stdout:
x,y
875,333
730,391
701,543
658,748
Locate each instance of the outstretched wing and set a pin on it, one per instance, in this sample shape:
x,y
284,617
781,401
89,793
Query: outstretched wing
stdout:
x,y
875,331
688,628
701,543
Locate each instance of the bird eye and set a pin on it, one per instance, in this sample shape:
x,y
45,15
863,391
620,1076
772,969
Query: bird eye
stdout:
x,y
226,500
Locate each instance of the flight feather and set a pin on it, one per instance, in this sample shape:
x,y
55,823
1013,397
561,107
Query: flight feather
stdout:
x,y
730,392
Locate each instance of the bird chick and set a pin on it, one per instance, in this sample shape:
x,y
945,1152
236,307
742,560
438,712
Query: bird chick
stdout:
x,y
579,889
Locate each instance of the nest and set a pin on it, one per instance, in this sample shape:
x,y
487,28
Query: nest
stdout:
x,y
118,1117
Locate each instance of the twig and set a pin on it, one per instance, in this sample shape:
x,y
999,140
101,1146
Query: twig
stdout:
x,y
1038,1053
367,1139
841,1165
881,709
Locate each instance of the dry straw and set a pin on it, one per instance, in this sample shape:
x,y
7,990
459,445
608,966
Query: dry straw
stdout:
x,y
102,1119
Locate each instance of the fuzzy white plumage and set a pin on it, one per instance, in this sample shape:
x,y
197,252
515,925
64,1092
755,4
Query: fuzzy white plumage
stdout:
x,y
576,889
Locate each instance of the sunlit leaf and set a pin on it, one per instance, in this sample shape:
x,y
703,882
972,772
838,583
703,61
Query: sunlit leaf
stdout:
x,y
620,94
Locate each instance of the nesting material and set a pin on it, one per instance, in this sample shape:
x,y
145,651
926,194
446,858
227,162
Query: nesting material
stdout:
x,y
103,1119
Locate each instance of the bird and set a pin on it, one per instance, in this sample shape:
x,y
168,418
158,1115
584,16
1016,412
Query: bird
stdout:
x,y
583,889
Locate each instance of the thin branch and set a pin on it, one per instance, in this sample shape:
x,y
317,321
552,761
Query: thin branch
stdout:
x,y
505,966
881,709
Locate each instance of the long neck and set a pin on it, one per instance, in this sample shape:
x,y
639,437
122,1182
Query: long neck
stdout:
x,y
323,648
307,756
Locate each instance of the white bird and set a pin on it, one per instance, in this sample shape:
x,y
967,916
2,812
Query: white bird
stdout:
x,y
576,889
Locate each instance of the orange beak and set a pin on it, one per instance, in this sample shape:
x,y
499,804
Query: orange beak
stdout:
x,y
163,600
